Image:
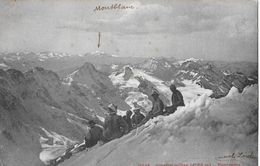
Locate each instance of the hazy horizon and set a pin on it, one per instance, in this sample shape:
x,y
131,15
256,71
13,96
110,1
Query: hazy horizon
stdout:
x,y
209,30
158,57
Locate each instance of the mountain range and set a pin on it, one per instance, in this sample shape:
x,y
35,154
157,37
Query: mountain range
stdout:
x,y
46,97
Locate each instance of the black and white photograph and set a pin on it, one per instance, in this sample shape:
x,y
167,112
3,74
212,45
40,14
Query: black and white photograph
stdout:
x,y
129,83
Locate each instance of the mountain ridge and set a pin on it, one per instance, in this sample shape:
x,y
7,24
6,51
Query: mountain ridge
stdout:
x,y
40,100
37,104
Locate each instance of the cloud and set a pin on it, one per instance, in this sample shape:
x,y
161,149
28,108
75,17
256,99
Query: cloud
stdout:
x,y
150,18
145,13
175,17
237,26
182,28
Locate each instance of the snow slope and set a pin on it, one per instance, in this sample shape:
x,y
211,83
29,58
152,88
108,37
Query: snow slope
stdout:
x,y
207,131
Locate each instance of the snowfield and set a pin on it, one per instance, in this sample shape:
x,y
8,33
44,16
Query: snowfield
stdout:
x,y
206,131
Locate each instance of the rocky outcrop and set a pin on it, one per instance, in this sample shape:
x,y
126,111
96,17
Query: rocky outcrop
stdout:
x,y
128,73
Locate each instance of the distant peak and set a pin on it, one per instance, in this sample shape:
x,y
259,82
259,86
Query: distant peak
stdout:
x,y
97,53
193,59
114,55
102,54
153,59
189,60
88,66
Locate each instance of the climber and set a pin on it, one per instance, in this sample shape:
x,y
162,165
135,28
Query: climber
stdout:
x,y
114,126
157,108
177,100
137,117
128,119
94,135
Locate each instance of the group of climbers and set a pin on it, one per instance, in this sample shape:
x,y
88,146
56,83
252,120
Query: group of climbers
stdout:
x,y
116,126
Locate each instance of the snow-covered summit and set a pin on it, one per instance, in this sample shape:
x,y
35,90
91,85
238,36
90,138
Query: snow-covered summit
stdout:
x,y
159,67
100,54
97,53
189,60
150,64
46,55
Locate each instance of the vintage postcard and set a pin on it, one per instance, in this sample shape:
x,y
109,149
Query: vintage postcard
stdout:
x,y
128,82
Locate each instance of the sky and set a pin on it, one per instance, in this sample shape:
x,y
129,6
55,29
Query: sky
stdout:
x,y
205,29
